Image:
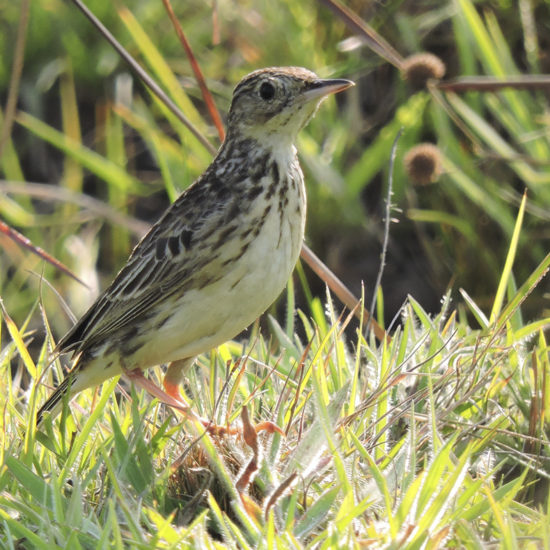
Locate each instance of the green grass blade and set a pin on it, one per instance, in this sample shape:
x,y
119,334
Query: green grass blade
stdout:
x,y
97,164
524,290
82,438
507,270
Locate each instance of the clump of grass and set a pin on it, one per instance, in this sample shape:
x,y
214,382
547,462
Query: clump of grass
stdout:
x,y
439,437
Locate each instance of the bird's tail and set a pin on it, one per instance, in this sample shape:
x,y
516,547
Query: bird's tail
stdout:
x,y
54,404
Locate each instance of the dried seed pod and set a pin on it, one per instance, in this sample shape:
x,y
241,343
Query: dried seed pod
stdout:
x,y
419,68
423,163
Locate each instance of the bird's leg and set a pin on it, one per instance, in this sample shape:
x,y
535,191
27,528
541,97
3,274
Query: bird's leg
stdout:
x,y
172,397
172,383
139,379
175,401
174,376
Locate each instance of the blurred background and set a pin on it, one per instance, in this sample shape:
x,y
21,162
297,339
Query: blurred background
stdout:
x,y
109,158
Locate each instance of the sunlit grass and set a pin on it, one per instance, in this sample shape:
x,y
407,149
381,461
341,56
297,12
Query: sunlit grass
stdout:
x,y
443,442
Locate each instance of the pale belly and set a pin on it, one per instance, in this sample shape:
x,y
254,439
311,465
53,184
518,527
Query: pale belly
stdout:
x,y
203,319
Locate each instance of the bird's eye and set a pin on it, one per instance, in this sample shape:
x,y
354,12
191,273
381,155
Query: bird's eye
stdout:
x,y
267,91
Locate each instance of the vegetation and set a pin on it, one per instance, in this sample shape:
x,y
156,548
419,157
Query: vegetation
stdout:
x,y
435,438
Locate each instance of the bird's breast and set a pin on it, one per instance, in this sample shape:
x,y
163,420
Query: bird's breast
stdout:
x,y
272,232
252,251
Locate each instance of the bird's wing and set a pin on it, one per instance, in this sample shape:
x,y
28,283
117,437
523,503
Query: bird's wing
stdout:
x,y
162,264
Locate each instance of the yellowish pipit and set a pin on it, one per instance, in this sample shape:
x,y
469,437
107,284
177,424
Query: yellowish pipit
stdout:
x,y
219,256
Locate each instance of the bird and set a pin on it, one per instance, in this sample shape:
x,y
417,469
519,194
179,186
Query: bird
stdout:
x,y
217,258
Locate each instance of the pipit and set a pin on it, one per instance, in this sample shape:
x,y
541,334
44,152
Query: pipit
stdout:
x,y
218,257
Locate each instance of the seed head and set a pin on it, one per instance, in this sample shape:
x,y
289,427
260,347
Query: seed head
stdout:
x,y
423,163
421,67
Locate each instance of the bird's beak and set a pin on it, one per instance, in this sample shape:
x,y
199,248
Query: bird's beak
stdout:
x,y
323,87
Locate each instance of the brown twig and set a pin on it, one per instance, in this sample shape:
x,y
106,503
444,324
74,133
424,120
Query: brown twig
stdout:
x,y
21,240
215,23
493,84
144,76
276,495
341,290
375,42
207,96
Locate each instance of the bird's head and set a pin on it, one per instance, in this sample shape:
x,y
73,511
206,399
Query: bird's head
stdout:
x,y
275,103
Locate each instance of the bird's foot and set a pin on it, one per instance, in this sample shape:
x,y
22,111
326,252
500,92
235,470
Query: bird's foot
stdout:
x,y
215,429
171,396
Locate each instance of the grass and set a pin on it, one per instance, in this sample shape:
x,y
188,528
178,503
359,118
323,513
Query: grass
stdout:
x,y
438,438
